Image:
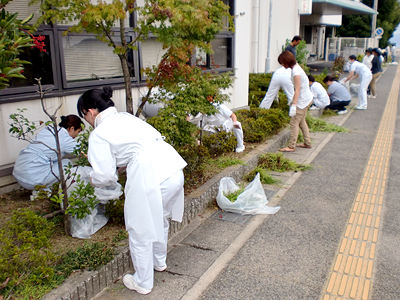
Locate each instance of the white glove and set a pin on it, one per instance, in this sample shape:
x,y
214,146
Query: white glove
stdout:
x,y
236,125
292,110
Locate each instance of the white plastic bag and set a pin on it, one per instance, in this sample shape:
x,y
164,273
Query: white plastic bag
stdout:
x,y
250,202
354,89
89,225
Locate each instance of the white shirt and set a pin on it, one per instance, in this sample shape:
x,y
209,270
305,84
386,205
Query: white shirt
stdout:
x,y
305,96
367,60
121,139
321,97
360,69
223,114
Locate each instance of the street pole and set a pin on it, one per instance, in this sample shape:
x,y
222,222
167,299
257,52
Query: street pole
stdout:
x,y
374,16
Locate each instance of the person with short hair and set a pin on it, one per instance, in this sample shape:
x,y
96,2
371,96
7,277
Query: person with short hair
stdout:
x,y
38,164
282,78
358,69
376,70
154,184
292,46
367,59
338,94
320,96
302,99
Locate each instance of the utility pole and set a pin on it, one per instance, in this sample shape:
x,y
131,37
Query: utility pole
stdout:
x,y
374,16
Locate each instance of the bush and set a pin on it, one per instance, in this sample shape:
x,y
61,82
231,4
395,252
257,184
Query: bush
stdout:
x,y
195,156
338,65
25,256
259,82
259,123
255,98
219,143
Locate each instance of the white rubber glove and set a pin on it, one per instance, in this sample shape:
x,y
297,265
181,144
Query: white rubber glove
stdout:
x,y
292,110
236,125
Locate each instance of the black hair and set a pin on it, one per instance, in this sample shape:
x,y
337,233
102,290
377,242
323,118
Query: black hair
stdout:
x,y
353,57
311,78
377,51
296,38
71,121
328,78
369,50
96,99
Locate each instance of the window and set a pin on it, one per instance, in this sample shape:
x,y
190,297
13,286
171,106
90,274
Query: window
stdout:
x,y
220,59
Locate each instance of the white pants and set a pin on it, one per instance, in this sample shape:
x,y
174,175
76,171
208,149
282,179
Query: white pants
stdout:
x,y
146,255
362,90
238,132
278,81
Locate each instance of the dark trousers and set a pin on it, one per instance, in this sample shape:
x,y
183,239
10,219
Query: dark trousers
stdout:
x,y
339,105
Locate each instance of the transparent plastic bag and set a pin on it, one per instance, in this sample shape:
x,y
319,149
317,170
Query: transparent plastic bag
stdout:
x,y
250,202
84,228
354,89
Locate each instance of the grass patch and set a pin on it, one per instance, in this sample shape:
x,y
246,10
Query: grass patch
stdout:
x,y
225,161
278,162
329,113
319,125
265,177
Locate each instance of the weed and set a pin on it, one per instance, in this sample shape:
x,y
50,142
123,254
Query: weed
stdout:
x,y
88,257
278,162
264,176
121,235
329,113
224,162
233,196
317,124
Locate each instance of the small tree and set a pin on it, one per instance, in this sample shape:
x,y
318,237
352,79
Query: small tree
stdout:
x,y
179,25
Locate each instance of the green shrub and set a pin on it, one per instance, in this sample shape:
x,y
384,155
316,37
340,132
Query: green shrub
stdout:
x,y
259,82
115,210
219,143
196,157
360,57
87,257
338,66
278,162
259,123
255,98
25,256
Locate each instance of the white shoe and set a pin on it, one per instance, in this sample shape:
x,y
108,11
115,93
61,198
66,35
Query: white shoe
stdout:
x,y
160,269
132,285
313,107
361,108
369,96
342,112
240,149
373,97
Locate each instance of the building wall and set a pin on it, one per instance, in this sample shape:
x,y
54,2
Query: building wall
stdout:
x,y
285,23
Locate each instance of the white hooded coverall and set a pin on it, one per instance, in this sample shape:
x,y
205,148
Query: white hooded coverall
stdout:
x,y
282,78
154,186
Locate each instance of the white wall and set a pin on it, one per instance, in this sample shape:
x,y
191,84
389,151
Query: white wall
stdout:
x,y
285,24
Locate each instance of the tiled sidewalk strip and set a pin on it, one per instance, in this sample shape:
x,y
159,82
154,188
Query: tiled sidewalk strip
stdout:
x,y
89,284
351,275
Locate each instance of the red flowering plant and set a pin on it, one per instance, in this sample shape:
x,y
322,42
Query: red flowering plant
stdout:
x,y
14,36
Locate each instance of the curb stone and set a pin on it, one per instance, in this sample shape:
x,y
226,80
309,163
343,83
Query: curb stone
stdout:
x,y
88,284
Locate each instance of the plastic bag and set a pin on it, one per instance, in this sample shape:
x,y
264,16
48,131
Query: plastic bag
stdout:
x,y
85,227
354,89
250,202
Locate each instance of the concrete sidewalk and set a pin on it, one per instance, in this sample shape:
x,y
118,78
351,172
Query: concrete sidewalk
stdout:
x,y
219,255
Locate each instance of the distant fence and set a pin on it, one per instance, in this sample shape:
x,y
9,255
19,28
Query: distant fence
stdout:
x,y
346,46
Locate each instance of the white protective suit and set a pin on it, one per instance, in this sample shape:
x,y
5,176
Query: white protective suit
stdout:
x,y
223,118
320,96
365,79
33,166
154,186
282,78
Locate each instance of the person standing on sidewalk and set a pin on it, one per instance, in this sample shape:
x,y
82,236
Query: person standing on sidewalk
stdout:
x,y
301,101
292,46
280,79
376,71
358,69
339,95
394,53
154,185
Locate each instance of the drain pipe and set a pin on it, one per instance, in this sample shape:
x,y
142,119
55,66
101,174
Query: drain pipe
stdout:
x,y
268,60
256,26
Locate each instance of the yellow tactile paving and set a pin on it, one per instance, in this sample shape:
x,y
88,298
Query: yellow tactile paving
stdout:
x,y
352,272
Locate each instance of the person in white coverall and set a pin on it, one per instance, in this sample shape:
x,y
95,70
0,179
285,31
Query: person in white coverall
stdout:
x,y
320,96
228,120
358,69
36,164
282,78
154,185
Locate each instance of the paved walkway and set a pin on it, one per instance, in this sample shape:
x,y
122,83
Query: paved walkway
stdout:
x,y
337,235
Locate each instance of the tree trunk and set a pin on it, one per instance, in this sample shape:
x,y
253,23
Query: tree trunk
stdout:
x,y
125,68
